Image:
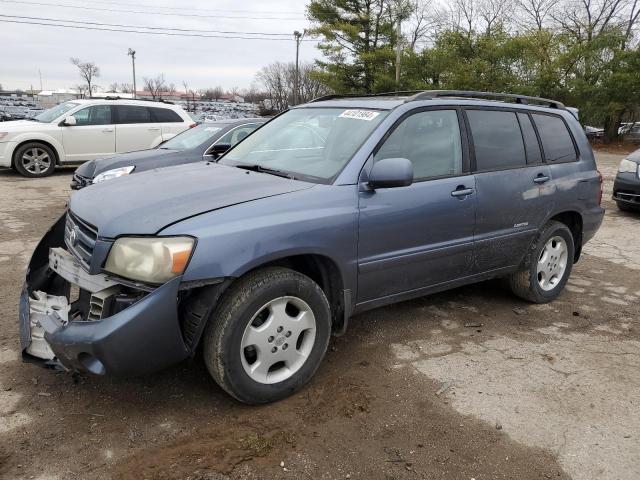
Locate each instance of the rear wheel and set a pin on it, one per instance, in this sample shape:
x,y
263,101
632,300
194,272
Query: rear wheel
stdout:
x,y
268,336
34,159
549,265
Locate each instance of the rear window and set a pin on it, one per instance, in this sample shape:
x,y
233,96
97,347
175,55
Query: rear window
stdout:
x,y
497,140
556,139
133,114
165,115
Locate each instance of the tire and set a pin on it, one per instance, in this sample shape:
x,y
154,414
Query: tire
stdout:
x,y
545,277
34,160
238,355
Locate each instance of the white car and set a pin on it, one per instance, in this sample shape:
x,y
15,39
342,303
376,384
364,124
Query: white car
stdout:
x,y
81,130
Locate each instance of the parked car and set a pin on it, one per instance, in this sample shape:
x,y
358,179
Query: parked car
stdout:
x,y
260,256
626,187
204,142
82,130
4,115
630,132
593,132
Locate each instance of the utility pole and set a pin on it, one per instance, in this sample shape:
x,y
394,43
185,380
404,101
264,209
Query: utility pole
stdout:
x,y
398,49
40,74
296,81
133,64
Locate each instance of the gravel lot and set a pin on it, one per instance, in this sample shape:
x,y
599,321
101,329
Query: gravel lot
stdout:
x,y
412,390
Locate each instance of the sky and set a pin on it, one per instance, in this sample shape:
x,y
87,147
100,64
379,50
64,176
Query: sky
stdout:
x,y
26,49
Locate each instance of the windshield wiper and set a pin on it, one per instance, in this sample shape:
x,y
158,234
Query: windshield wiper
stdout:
x,y
271,171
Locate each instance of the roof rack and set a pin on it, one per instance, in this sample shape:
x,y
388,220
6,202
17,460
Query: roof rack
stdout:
x,y
158,100
360,95
433,94
521,99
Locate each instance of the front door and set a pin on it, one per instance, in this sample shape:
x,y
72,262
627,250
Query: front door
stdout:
x,y
93,136
421,235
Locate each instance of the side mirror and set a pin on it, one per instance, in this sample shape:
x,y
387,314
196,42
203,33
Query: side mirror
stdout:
x,y
391,173
218,149
69,121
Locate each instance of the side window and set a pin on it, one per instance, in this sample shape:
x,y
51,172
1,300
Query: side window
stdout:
x,y
497,140
530,139
239,133
556,140
96,115
431,140
133,114
165,115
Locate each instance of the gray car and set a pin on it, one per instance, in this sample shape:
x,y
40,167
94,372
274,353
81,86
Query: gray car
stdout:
x,y
330,209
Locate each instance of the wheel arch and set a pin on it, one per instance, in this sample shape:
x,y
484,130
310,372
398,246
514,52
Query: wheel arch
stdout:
x,y
35,140
574,222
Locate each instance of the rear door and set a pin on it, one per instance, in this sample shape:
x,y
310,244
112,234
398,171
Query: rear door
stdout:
x,y
421,235
136,129
512,182
169,121
93,136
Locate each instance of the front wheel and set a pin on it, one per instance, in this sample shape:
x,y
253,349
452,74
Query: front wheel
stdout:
x,y
549,265
268,336
34,159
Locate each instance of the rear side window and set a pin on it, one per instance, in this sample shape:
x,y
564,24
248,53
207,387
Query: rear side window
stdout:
x,y
133,114
497,140
534,155
165,115
556,139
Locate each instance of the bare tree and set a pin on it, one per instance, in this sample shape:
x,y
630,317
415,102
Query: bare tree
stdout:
x,y
88,72
425,18
493,12
279,80
534,12
155,86
588,19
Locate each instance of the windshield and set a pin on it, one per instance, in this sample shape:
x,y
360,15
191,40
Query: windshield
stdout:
x,y
308,143
192,137
52,113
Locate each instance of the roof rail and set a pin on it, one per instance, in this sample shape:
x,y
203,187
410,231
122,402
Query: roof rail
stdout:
x,y
117,97
521,99
360,95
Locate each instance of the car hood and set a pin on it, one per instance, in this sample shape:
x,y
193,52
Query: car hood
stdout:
x,y
146,203
17,126
634,156
142,160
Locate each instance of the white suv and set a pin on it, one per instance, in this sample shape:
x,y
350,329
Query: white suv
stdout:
x,y
81,130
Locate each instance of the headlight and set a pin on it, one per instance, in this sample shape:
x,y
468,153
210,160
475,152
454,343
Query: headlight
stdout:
x,y
149,259
114,173
628,166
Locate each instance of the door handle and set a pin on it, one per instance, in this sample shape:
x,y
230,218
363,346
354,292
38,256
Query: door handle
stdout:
x,y
541,179
154,129
462,191
107,130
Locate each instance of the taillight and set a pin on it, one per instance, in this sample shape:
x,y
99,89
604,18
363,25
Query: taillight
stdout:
x,y
601,187
193,125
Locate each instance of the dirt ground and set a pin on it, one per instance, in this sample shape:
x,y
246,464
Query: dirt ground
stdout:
x,y
467,384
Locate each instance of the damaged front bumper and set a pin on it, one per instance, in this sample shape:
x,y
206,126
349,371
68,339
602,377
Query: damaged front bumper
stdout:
x,y
92,323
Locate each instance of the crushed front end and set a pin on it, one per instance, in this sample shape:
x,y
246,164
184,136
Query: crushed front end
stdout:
x,y
75,316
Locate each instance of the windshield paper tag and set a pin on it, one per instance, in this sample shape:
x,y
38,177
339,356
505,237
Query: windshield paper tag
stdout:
x,y
367,115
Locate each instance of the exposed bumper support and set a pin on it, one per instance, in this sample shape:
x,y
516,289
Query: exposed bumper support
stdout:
x,y
141,338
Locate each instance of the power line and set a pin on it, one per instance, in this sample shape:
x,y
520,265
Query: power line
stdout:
x,y
80,27
141,26
59,5
146,5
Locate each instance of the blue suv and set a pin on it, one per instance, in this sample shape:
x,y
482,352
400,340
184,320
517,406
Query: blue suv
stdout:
x,y
330,209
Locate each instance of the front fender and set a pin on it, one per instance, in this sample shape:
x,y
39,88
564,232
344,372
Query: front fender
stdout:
x,y
231,241
55,143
